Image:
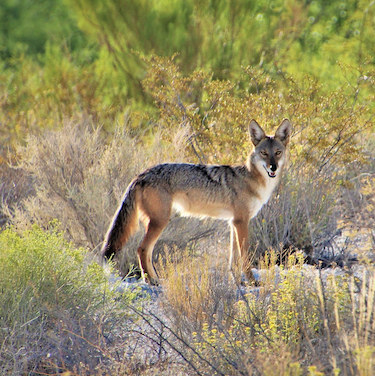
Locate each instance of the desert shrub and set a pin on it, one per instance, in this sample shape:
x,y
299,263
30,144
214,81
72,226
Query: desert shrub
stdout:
x,y
303,215
357,203
217,113
14,187
58,310
79,178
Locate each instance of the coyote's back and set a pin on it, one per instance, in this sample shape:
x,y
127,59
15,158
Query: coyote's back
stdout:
x,y
235,193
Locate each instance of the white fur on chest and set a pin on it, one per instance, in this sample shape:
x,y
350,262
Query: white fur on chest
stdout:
x,y
264,194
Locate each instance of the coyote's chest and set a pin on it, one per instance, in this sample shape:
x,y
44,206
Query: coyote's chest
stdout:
x,y
263,195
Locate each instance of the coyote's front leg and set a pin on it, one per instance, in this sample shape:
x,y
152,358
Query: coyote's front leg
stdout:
x,y
240,247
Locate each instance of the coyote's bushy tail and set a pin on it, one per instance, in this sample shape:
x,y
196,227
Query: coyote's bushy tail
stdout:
x,y
124,224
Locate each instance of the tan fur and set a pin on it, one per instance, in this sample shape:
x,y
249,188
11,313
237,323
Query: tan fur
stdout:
x,y
235,193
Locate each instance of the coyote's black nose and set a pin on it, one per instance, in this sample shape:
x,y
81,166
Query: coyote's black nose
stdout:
x,y
273,167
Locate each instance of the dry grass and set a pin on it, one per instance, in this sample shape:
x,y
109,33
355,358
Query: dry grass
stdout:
x,y
302,322
197,289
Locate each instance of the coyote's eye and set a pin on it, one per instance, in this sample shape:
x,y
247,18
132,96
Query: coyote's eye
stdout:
x,y
263,153
278,152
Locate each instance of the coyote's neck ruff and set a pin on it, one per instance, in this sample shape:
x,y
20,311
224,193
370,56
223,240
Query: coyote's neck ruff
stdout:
x,y
226,192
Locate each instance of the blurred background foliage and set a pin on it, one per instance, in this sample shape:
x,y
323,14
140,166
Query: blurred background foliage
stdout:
x,y
64,58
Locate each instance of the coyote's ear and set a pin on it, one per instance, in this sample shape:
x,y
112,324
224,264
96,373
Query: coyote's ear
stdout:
x,y
256,132
284,131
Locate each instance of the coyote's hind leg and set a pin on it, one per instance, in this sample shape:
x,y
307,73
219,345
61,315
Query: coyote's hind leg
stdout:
x,y
156,207
154,229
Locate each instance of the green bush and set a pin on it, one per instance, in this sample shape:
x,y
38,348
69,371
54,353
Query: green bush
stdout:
x,y
57,306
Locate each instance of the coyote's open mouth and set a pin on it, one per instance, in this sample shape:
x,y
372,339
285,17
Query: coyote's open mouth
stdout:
x,y
271,174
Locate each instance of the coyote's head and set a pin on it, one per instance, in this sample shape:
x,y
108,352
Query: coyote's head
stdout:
x,y
269,153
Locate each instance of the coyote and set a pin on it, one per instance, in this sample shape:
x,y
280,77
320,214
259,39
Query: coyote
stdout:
x,y
235,193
